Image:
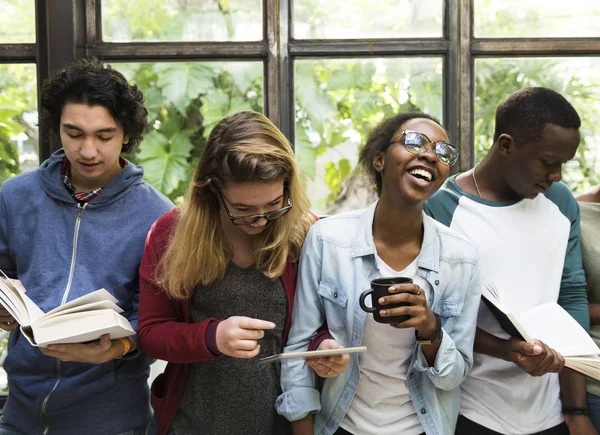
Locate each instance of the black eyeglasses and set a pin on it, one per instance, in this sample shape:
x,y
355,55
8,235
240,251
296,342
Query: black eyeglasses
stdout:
x,y
250,219
418,143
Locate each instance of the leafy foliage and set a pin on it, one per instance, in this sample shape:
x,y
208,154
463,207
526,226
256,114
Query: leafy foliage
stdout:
x,y
497,78
338,102
185,101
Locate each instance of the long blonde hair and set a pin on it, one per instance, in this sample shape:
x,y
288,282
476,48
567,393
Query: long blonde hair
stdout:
x,y
245,147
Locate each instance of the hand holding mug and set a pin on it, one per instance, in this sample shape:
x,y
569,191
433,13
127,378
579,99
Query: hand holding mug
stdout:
x,y
414,308
380,289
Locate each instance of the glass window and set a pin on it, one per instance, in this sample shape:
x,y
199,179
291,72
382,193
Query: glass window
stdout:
x,y
536,18
577,78
197,20
185,100
17,21
356,19
338,102
18,120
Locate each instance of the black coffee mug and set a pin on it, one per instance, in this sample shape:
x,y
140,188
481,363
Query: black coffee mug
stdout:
x,y
379,288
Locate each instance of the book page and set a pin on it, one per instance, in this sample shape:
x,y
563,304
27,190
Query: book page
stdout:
x,y
81,327
16,301
551,324
491,293
95,296
100,305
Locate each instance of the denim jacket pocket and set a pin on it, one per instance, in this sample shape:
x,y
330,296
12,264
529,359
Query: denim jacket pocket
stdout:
x,y
449,310
335,302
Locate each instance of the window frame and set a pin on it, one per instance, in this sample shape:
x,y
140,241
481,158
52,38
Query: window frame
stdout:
x,y
73,28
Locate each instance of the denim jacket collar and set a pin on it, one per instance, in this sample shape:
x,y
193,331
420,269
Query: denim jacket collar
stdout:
x,y
364,244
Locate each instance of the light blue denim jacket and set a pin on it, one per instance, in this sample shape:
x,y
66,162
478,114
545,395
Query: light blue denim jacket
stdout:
x,y
337,264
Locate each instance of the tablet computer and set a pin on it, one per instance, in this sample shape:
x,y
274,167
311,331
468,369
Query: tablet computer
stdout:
x,y
312,354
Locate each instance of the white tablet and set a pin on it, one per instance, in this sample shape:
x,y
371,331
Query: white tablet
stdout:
x,y
312,354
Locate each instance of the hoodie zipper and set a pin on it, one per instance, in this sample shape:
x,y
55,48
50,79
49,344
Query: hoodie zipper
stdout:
x,y
80,209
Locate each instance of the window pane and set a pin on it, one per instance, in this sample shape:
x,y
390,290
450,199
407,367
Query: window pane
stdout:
x,y
350,19
17,21
536,18
185,101
18,120
577,79
338,102
195,20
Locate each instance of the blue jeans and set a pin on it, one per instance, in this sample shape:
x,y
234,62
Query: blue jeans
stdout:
x,y
593,403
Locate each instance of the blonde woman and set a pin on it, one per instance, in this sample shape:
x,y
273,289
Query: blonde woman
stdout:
x,y
217,284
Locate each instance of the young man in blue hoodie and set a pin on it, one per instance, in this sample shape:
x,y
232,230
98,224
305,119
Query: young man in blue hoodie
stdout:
x,y
77,224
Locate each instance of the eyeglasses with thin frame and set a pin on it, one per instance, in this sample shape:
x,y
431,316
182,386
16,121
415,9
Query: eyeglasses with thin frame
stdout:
x,y
418,143
250,219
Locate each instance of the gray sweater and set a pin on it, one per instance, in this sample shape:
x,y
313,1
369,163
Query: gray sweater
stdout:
x,y
236,396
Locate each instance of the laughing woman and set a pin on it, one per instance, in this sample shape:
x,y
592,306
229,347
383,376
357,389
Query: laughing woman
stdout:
x,y
217,284
408,380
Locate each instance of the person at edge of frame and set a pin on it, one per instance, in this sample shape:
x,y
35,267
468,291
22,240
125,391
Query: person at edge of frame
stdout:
x,y
77,224
526,226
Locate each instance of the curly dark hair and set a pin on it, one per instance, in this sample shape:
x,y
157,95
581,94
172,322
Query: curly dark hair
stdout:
x,y
524,114
379,140
89,81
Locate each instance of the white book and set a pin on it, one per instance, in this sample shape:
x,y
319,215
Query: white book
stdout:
x,y
551,324
84,319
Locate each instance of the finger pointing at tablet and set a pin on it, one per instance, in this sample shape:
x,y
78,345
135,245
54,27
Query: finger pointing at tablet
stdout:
x,y
238,336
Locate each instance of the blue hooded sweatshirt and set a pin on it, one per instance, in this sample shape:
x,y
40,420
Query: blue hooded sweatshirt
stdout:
x,y
61,251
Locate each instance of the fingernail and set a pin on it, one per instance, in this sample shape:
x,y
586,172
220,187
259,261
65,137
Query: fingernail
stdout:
x,y
382,300
392,289
537,349
382,312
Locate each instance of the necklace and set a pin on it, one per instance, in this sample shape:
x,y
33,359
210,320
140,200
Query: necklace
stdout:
x,y
475,182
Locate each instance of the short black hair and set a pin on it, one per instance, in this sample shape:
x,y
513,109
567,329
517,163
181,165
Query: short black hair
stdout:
x,y
379,140
89,81
524,114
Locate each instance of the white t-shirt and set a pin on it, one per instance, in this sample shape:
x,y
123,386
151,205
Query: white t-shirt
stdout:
x,y
527,252
382,404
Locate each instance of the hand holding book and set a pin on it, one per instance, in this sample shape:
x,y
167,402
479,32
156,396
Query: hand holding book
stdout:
x,y
82,320
535,358
95,352
549,326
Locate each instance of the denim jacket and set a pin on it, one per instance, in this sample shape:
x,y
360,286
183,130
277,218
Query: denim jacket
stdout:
x,y
337,264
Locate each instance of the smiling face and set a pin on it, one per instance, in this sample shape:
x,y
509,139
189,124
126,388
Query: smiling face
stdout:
x,y
244,199
92,141
534,166
413,178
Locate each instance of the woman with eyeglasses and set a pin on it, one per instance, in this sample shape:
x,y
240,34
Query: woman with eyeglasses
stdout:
x,y
408,381
217,283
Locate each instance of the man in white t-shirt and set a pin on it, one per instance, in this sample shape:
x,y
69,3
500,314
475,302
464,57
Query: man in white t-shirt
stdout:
x,y
526,227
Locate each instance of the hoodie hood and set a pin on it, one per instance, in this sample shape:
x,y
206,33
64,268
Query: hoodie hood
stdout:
x,y
51,182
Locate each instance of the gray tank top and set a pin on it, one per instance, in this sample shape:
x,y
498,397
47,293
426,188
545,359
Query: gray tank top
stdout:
x,y
230,395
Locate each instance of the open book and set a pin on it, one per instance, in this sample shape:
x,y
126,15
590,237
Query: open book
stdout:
x,y
84,319
551,324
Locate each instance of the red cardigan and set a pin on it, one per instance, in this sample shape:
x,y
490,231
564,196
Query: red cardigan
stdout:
x,y
164,328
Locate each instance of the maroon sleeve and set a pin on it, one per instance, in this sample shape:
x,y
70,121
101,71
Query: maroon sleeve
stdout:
x,y
321,336
162,331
